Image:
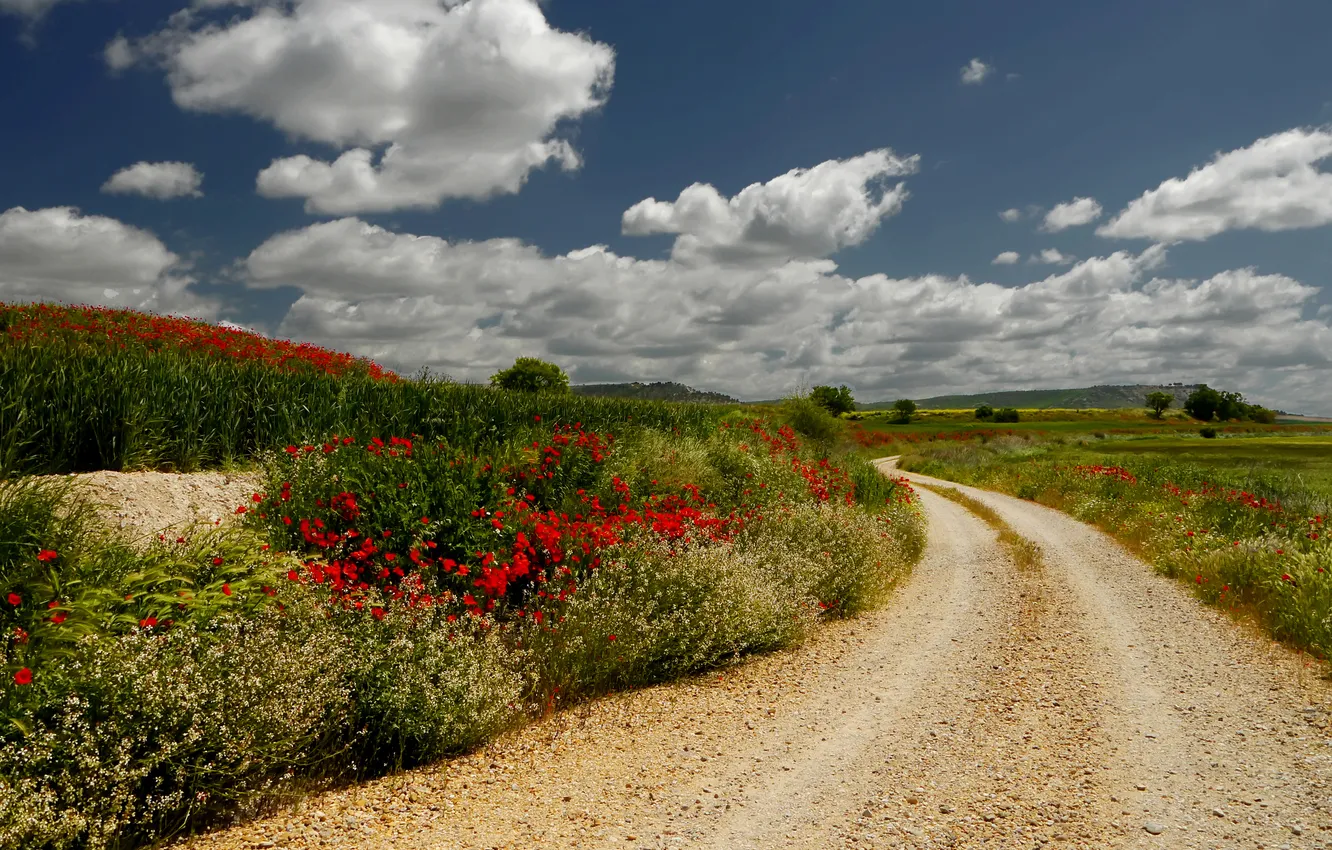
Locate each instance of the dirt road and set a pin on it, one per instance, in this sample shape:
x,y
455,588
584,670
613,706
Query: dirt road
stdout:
x,y
1085,703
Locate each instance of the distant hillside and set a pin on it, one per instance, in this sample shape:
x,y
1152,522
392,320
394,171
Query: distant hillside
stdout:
x,y
660,391
1098,397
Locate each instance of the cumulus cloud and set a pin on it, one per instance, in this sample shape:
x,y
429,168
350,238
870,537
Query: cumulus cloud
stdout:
x,y
974,72
58,254
425,99
1273,184
466,308
1074,213
807,213
1006,258
1011,214
160,180
1051,257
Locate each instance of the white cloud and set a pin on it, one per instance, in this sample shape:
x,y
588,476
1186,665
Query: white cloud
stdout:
x,y
28,8
1011,215
160,180
1006,258
807,213
57,254
1273,184
974,72
427,100
1074,213
468,308
1052,257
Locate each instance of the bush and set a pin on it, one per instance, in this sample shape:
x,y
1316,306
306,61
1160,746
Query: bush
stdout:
x,y
984,412
812,421
836,401
531,375
126,737
1006,414
903,409
1158,402
1207,432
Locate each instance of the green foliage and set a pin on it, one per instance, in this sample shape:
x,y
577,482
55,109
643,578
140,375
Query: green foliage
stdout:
x,y
1158,402
531,375
1203,403
135,732
984,411
1207,432
835,400
903,409
65,409
1242,521
1006,414
1206,404
812,421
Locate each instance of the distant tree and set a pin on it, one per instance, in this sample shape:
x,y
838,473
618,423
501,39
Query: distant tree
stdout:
x,y
1159,402
1262,415
528,374
1006,414
835,400
1203,403
984,412
904,407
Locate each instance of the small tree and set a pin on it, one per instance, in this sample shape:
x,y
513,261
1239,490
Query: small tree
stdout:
x,y
528,374
1203,403
984,412
1006,414
904,407
835,400
1159,402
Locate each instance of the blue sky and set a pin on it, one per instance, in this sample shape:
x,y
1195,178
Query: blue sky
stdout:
x,y
875,266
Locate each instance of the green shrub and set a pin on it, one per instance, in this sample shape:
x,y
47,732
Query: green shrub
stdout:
x,y
1207,432
984,412
812,421
1006,414
531,375
835,400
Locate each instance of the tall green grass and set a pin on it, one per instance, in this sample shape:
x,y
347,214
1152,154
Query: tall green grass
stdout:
x,y
69,409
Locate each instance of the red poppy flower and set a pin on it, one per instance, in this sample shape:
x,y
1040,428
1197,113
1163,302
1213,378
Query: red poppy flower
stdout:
x,y
23,677
226,589
58,617
217,562
147,622
45,556
15,599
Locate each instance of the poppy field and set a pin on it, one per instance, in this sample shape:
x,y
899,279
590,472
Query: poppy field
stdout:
x,y
404,586
1243,520
85,388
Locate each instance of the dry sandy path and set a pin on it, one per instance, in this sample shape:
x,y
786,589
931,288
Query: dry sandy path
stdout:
x,y
985,706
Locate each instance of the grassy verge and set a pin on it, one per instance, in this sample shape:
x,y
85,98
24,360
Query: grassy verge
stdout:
x,y
390,601
1248,534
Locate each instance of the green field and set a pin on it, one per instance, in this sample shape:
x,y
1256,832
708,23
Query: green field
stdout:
x,y
1306,456
1241,517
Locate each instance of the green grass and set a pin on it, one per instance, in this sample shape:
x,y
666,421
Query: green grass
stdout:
x,y
67,409
455,560
1243,519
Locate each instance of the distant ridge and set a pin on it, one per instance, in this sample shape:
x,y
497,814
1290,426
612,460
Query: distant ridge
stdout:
x,y
659,391
1106,396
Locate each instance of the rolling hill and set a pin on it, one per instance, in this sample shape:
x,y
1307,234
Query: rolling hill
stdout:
x,y
659,391
1109,396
